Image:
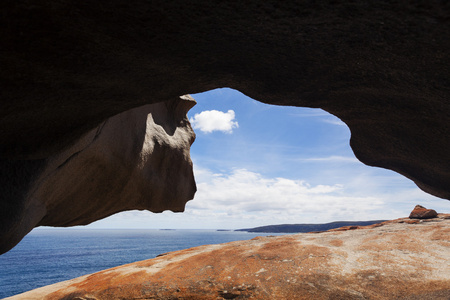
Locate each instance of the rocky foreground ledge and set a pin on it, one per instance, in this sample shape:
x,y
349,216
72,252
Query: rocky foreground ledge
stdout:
x,y
399,259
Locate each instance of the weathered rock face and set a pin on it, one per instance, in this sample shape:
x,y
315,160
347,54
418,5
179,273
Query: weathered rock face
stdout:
x,y
380,66
420,212
138,159
397,259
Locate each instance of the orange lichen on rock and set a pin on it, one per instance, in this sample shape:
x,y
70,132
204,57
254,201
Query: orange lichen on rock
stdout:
x,y
336,242
397,260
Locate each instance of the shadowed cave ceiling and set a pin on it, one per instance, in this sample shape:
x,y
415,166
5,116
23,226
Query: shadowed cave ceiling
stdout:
x,y
70,69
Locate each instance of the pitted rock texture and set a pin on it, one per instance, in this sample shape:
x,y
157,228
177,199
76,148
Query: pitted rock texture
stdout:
x,y
138,159
420,212
381,66
392,260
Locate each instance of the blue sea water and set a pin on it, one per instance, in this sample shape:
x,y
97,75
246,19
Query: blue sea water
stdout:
x,y
49,255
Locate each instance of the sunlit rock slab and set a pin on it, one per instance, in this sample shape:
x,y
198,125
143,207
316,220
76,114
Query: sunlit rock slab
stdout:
x,y
399,259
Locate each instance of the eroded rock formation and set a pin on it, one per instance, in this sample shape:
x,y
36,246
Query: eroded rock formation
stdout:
x,y
138,159
383,261
420,212
67,66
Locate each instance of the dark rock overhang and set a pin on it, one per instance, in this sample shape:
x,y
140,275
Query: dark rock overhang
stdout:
x,y
382,67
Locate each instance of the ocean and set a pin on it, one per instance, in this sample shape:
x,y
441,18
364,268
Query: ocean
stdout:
x,y
49,255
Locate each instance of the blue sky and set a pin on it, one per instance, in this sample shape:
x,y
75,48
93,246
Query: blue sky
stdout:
x,y
257,164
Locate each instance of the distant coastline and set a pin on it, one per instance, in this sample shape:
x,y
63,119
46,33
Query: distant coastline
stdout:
x,y
302,228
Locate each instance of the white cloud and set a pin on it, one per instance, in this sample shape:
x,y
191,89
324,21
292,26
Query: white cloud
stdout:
x,y
321,114
333,158
309,112
334,121
243,193
244,199
213,120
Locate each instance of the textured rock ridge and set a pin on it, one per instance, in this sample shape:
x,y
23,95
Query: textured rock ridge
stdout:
x,y
396,259
138,159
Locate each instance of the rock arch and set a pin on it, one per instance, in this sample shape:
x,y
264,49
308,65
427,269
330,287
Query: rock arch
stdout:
x,y
381,67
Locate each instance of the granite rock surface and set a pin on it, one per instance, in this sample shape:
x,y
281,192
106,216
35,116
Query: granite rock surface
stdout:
x,y
399,259
420,212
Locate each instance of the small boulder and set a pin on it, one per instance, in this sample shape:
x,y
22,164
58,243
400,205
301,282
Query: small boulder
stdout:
x,y
420,212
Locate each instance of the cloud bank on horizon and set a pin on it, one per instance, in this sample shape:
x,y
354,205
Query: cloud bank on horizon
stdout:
x,y
284,165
